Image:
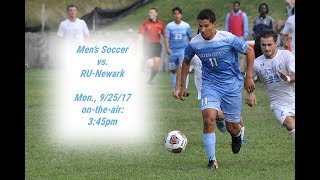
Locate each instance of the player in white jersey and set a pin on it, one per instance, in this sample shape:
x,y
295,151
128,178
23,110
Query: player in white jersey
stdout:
x,y
276,70
289,30
222,81
73,29
178,34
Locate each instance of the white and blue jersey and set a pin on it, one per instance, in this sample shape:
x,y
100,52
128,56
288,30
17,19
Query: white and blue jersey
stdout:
x,y
179,35
222,82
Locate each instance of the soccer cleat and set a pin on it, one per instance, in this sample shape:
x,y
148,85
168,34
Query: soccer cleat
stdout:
x,y
221,126
236,144
212,165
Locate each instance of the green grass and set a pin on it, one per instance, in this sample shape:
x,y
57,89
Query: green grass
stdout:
x,y
268,154
56,11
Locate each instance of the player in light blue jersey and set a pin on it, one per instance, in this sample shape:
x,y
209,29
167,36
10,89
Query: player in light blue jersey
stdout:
x,y
178,34
222,82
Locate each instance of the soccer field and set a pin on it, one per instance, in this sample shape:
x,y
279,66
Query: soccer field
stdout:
x,y
268,154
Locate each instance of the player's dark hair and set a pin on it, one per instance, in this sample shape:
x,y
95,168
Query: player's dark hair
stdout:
x,y
177,9
154,9
72,5
236,2
207,14
263,4
266,33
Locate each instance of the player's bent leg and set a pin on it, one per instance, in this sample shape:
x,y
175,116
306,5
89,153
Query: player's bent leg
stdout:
x,y
173,77
173,68
156,64
293,134
220,122
231,106
286,116
234,128
147,68
148,64
155,68
289,123
221,125
220,115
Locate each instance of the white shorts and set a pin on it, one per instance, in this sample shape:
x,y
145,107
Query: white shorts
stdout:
x,y
281,112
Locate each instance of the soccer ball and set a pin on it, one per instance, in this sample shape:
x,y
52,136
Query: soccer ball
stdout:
x,y
176,141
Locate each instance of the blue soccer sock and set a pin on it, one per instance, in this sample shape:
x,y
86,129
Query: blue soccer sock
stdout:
x,y
209,141
173,80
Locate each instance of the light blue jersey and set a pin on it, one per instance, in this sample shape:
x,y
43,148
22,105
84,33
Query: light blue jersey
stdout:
x,y
179,35
222,82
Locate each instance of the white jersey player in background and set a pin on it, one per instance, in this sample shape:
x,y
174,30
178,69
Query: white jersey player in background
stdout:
x,y
73,29
276,70
72,32
289,30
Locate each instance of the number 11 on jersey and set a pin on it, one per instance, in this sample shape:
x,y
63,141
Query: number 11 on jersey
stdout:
x,y
213,62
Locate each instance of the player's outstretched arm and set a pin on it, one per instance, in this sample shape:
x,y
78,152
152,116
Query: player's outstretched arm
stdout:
x,y
290,79
249,83
166,43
